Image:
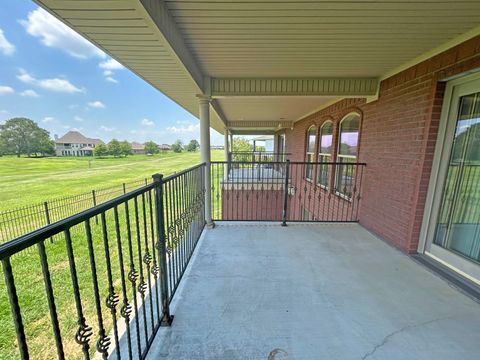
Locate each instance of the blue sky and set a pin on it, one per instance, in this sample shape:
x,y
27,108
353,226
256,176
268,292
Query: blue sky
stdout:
x,y
54,77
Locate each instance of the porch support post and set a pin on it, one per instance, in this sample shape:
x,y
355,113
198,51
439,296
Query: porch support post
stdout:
x,y
226,168
204,112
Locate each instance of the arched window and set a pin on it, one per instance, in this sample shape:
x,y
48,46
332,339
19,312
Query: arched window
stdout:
x,y
347,154
325,153
310,151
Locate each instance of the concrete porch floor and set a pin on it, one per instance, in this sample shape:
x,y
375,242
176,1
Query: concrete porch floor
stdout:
x,y
326,291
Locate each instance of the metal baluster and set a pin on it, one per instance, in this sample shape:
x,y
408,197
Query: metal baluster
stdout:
x,y
147,259
112,298
166,317
142,287
155,269
132,274
126,309
15,308
84,331
103,341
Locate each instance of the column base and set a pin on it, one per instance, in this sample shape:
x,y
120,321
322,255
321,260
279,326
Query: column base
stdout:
x,y
210,225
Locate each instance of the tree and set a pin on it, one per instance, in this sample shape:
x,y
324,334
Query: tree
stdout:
x,y
101,150
126,148
23,136
242,145
177,146
193,145
151,148
115,148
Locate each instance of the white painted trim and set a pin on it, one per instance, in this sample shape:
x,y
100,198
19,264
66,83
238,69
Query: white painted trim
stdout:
x,y
440,167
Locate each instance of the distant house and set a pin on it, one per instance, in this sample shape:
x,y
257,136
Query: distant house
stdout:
x,y
137,148
164,147
73,143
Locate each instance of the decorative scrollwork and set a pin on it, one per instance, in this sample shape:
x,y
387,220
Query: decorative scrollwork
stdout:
x,y
126,310
112,300
181,233
142,287
155,269
147,258
132,275
177,222
103,343
171,229
84,332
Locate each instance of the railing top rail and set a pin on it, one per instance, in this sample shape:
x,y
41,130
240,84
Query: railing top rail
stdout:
x,y
291,162
25,241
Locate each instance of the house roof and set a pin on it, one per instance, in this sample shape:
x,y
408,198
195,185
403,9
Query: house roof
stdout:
x,y
137,146
75,137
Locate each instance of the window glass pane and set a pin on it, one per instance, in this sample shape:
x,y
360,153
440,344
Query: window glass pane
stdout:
x,y
323,172
349,135
311,139
345,177
326,137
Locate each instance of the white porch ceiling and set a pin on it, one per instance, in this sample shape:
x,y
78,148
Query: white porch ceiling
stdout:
x,y
179,45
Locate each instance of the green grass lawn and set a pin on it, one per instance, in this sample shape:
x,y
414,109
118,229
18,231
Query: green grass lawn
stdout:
x,y
29,181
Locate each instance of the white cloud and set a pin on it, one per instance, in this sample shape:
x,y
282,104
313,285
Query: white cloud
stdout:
x,y
6,47
107,129
53,33
48,119
111,79
3,112
6,90
147,122
77,129
78,118
108,73
111,64
55,84
29,93
183,129
96,104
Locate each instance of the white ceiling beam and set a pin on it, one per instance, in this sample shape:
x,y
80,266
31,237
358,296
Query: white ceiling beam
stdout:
x,y
224,87
158,12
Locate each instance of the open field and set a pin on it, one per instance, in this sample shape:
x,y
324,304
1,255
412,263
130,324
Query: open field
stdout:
x,y
27,181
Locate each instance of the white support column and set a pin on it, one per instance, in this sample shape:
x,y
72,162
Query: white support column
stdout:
x,y
204,111
226,168
226,145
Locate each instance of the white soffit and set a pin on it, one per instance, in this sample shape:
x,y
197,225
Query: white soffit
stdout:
x,y
279,38
246,109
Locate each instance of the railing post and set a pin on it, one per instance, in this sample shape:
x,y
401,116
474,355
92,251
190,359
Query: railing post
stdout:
x,y
47,216
124,188
162,250
94,199
285,193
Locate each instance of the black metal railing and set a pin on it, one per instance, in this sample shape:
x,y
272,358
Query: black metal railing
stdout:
x,y
257,156
104,288
286,191
20,221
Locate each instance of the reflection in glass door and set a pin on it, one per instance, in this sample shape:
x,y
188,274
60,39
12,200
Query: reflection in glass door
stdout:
x,y
458,224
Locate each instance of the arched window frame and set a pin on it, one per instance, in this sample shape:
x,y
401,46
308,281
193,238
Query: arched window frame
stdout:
x,y
345,174
323,170
310,151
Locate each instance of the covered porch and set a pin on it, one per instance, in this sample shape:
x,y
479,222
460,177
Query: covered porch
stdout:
x,y
313,291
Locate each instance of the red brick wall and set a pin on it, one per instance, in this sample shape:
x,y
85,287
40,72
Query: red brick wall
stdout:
x,y
397,141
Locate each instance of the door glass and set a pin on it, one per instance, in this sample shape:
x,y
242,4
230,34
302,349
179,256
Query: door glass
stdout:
x,y
458,226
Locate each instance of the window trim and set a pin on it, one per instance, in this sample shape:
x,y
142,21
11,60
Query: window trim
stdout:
x,y
338,155
319,154
315,127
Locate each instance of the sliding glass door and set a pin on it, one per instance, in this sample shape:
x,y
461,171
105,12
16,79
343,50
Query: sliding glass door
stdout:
x,y
453,231
458,224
